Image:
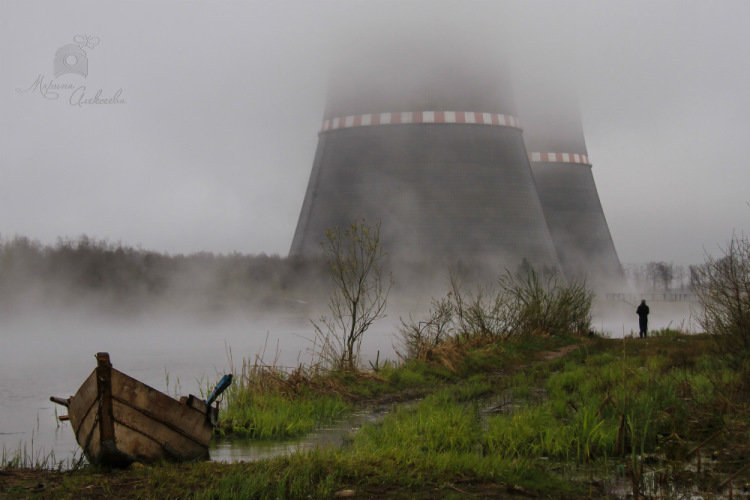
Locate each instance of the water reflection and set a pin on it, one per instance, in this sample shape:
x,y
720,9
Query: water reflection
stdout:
x,y
332,436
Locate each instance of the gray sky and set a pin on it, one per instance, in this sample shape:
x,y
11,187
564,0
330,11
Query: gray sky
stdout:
x,y
213,145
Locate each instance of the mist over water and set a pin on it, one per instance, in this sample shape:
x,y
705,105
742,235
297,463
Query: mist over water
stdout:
x,y
188,343
50,352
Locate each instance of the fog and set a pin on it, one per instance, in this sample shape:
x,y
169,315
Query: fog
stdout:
x,y
212,147
178,323
51,354
194,126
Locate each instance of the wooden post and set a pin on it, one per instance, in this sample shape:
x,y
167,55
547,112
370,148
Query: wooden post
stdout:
x,y
104,388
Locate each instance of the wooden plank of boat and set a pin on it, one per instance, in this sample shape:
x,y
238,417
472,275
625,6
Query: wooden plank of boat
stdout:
x,y
118,420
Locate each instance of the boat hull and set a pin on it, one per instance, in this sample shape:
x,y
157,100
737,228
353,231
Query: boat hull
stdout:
x,y
118,420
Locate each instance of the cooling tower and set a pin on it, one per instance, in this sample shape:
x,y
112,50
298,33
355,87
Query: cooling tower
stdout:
x,y
427,143
562,171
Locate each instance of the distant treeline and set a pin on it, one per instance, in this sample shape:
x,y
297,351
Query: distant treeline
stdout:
x,y
119,276
661,276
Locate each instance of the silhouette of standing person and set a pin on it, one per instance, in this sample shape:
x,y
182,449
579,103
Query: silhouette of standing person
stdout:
x,y
642,312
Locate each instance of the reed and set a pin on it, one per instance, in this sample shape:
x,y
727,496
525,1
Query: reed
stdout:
x,y
26,456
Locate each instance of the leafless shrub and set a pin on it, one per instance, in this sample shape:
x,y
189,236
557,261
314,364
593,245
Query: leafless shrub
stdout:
x,y
548,305
487,312
417,338
519,304
723,289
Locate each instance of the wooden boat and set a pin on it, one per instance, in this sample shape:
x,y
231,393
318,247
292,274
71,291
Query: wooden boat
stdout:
x,y
118,420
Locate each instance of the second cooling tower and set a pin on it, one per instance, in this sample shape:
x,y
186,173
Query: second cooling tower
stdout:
x,y
431,149
565,184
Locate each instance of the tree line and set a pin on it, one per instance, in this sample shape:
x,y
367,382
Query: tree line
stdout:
x,y
124,276
662,276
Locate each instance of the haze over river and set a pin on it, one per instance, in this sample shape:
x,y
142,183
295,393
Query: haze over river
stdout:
x,y
51,353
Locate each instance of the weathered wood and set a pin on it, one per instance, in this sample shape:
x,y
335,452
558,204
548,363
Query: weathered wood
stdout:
x,y
197,404
104,391
60,401
118,420
142,450
88,437
158,406
83,419
82,401
171,441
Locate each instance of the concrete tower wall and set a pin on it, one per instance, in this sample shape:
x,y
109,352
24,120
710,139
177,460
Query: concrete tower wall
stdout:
x,y
440,191
565,183
429,147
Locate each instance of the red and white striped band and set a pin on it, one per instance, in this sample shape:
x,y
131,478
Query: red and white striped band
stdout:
x,y
407,117
560,158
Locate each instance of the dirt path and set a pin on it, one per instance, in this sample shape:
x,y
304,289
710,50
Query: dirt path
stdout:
x,y
414,394
559,353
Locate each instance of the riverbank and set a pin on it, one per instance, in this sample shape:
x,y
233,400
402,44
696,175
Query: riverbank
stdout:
x,y
559,417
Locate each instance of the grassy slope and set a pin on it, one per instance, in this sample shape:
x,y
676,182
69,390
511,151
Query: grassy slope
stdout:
x,y
497,420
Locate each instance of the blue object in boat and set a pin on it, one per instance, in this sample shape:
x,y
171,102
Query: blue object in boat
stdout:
x,y
222,386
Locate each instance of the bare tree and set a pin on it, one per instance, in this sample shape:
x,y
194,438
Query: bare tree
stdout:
x,y
666,274
723,289
694,273
660,272
652,273
355,257
679,272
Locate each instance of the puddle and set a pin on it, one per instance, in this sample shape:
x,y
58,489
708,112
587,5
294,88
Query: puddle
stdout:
x,y
334,435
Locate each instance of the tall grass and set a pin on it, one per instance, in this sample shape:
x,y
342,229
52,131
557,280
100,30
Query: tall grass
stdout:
x,y
25,456
266,402
437,424
275,416
599,405
610,402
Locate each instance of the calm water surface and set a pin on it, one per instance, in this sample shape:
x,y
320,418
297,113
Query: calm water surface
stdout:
x,y
52,354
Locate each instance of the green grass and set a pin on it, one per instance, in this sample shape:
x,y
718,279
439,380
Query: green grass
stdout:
x,y
277,416
574,424
261,405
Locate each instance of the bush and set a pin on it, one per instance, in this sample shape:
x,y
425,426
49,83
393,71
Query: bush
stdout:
x,y
519,304
548,305
723,289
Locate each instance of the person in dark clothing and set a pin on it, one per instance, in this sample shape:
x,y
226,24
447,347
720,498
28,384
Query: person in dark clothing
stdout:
x,y
642,312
